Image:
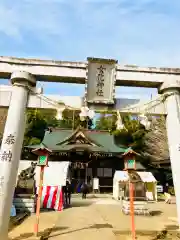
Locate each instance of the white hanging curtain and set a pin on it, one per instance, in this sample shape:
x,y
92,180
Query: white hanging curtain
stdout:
x,y
91,114
119,123
86,112
143,119
59,115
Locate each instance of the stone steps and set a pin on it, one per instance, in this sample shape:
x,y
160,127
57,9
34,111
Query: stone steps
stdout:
x,y
140,208
25,204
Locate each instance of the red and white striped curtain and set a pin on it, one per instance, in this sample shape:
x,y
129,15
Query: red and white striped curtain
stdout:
x,y
52,198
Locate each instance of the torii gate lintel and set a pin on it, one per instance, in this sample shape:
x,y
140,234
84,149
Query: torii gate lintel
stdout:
x,y
75,72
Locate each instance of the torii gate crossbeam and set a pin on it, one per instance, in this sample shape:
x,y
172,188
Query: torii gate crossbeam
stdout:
x,y
75,72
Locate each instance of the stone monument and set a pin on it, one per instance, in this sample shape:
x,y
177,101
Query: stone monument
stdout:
x,y
25,191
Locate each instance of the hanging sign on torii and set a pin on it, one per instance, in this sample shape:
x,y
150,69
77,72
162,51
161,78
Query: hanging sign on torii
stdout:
x,y
101,81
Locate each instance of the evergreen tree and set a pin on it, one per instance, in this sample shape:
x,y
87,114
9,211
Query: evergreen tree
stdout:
x,y
132,135
36,126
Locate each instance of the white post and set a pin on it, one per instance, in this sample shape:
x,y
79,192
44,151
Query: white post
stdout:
x,y
172,104
12,144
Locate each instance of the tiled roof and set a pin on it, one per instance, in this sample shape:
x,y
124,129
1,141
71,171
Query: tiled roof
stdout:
x,y
103,140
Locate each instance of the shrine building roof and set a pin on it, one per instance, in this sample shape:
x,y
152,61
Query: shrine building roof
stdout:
x,y
80,139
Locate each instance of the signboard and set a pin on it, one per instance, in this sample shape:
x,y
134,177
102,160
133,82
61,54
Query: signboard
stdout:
x,y
159,188
95,183
101,81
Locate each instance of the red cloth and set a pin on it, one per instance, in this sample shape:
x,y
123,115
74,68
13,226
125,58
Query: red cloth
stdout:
x,y
52,198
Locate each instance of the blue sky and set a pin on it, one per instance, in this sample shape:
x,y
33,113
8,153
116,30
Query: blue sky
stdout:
x,y
141,32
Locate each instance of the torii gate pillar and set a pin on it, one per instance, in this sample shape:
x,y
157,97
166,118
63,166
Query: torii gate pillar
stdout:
x,y
171,89
12,144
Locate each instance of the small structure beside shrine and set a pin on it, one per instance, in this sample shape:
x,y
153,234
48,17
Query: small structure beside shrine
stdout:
x,y
121,177
91,154
144,185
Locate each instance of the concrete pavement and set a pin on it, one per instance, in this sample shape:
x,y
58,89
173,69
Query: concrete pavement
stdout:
x,y
82,222
25,231
97,218
103,219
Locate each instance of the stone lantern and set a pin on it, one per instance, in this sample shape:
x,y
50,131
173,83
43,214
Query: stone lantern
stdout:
x,y
134,187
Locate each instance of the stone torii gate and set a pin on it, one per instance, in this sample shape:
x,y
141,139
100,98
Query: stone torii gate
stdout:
x,y
99,74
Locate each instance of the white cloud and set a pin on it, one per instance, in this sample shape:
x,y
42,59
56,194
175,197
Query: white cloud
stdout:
x,y
131,31
36,17
8,22
142,32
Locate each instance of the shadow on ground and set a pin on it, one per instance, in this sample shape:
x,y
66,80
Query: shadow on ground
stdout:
x,y
47,210
94,226
171,227
155,213
83,203
153,235
44,234
17,220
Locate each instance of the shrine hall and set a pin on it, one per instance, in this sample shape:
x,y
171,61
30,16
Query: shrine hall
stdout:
x,y
92,154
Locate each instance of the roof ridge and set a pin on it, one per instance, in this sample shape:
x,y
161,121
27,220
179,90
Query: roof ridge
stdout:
x,y
85,130
60,129
96,131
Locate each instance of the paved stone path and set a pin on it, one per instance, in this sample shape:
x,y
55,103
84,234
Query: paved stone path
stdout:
x,y
96,218
25,231
82,222
102,218
107,202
